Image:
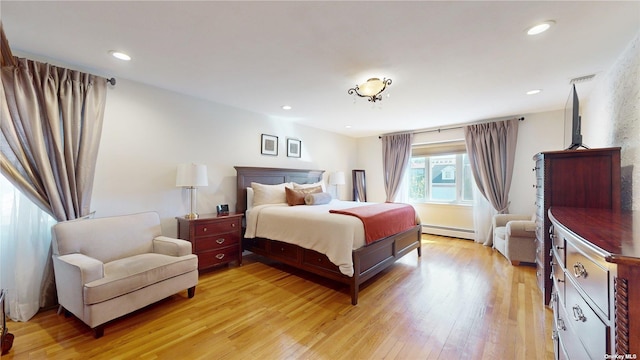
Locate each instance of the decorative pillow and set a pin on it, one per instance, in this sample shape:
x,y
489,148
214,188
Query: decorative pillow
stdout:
x,y
317,198
268,194
249,198
304,186
296,196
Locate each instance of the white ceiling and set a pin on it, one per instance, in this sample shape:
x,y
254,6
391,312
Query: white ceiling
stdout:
x,y
451,62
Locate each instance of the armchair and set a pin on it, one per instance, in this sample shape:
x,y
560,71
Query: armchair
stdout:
x,y
514,236
108,267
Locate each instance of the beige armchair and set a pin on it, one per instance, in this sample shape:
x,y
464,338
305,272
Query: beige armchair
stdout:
x,y
514,236
108,267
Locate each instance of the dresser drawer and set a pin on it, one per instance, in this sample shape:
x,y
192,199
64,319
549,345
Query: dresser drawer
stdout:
x,y
592,278
593,333
218,256
558,245
216,227
558,276
217,241
570,345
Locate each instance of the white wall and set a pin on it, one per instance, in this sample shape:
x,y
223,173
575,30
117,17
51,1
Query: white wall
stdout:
x,y
148,131
611,117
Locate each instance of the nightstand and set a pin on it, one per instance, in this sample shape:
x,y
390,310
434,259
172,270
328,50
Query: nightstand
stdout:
x,y
215,239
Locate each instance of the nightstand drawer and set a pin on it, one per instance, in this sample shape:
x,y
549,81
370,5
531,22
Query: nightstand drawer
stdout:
x,y
217,241
216,257
217,227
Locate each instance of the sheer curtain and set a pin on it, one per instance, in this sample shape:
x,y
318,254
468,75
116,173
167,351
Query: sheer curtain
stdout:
x,y
491,148
22,262
51,122
396,154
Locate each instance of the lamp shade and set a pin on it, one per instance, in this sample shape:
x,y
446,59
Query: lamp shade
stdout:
x,y
337,178
192,175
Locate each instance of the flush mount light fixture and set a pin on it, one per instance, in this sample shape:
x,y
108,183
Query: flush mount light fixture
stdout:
x,y
119,55
371,89
540,28
286,107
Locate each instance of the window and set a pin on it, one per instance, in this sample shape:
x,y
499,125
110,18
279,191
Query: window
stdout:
x,y
442,176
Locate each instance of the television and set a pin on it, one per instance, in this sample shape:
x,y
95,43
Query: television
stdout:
x,y
572,118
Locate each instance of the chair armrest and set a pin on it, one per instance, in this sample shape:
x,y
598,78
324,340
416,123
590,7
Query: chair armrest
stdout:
x,y
170,246
72,272
521,228
502,219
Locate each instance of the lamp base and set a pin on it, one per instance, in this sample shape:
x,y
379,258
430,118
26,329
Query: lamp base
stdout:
x,y
191,216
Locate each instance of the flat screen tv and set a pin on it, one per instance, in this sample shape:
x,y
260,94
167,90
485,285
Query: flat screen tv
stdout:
x,y
572,121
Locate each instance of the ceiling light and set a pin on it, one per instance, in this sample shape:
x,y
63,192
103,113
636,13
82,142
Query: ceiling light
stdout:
x,y
286,107
540,28
533,92
120,55
371,89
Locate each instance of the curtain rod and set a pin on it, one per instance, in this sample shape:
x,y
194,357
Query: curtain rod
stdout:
x,y
453,127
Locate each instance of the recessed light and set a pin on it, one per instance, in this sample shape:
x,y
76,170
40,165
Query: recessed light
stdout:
x,y
540,28
347,126
120,55
533,92
286,107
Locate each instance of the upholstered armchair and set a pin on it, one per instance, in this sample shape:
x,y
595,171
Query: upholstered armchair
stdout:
x,y
108,267
514,236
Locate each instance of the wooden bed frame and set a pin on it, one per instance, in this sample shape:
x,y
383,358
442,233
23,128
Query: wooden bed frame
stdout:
x,y
368,260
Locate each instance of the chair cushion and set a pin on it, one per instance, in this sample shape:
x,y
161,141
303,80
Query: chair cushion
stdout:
x,y
500,232
132,273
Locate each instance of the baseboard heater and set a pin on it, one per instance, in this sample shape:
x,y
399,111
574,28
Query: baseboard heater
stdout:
x,y
448,231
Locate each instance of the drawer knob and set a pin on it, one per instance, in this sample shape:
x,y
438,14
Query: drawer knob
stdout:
x,y
561,325
204,229
233,225
220,241
578,315
220,256
558,247
579,271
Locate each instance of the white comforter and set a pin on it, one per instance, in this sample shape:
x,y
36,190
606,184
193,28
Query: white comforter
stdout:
x,y
311,227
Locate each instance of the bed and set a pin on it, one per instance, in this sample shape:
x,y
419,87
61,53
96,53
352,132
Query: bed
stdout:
x,y
367,260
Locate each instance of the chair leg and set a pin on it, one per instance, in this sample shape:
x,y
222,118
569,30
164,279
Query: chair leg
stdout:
x,y
191,292
515,263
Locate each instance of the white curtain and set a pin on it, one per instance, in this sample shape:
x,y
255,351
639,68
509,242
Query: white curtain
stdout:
x,y
22,263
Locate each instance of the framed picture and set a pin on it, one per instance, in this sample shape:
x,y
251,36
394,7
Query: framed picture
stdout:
x,y
269,145
294,148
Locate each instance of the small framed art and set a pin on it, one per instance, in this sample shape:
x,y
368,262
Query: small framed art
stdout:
x,y
269,145
294,147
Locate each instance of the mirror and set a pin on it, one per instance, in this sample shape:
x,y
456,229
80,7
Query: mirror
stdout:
x,y
359,186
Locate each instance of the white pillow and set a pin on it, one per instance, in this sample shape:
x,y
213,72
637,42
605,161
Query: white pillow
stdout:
x,y
249,198
304,186
269,194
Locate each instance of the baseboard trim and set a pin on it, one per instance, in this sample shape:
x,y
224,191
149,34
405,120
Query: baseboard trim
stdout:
x,y
448,231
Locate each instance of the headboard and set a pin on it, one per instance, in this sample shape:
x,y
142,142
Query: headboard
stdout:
x,y
269,176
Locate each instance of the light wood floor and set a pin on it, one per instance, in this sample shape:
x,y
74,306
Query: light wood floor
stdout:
x,y
461,300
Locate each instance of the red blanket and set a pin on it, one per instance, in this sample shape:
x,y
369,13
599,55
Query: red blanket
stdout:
x,y
382,220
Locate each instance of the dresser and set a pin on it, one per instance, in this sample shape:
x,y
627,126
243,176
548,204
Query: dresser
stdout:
x,y
577,178
215,239
596,283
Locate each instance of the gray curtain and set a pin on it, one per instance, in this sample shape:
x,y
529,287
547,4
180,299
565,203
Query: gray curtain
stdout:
x,y
50,134
491,148
396,154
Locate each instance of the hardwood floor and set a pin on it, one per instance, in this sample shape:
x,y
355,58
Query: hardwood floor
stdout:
x,y
461,300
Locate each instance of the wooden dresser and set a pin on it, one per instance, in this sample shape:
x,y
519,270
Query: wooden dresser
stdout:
x,y
577,178
215,239
596,283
